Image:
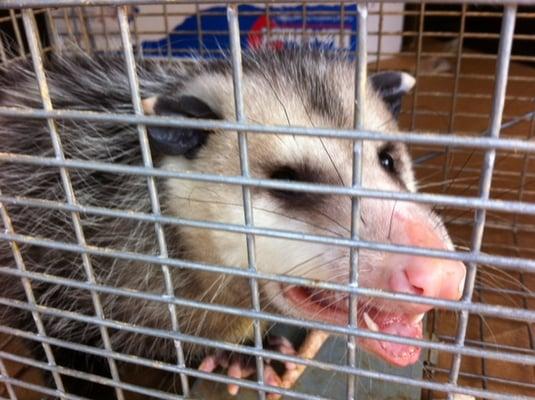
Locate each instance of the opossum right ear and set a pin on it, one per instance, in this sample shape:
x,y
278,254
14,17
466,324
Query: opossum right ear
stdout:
x,y
392,86
178,141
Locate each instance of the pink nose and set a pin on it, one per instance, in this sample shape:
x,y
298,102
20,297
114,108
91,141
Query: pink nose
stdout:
x,y
425,276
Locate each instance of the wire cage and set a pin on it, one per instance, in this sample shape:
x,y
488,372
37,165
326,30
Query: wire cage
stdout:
x,y
469,124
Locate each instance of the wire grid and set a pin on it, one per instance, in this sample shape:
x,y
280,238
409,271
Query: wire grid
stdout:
x,y
457,159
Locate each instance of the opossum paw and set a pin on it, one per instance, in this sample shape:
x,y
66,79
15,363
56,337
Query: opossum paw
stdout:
x,y
241,366
236,365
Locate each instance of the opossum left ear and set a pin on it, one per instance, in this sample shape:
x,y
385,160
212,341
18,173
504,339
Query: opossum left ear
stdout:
x,y
178,141
392,86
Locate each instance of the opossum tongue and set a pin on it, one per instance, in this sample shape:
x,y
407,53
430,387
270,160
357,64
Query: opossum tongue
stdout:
x,y
393,324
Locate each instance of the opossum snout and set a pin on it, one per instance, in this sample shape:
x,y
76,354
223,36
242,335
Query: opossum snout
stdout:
x,y
425,276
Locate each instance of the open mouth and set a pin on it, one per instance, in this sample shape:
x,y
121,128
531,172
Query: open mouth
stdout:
x,y
332,307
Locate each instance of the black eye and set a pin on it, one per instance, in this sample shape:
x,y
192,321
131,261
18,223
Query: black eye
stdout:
x,y
387,162
285,174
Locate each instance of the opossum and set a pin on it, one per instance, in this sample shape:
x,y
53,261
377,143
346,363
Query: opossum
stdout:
x,y
289,87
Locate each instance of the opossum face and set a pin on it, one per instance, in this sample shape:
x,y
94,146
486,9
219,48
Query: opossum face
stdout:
x,y
318,95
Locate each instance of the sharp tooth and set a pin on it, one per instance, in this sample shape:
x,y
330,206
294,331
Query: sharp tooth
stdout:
x,y
372,326
417,318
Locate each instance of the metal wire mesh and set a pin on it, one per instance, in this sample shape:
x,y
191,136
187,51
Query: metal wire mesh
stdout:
x,y
470,123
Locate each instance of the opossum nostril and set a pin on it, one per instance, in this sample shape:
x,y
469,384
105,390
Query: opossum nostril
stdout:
x,y
402,282
414,288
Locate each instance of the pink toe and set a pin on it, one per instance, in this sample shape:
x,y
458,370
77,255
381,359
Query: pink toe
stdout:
x,y
233,389
234,371
271,377
290,365
208,364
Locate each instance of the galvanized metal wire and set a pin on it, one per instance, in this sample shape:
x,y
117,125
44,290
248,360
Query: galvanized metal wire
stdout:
x,y
237,75
247,384
458,345
33,40
70,3
502,70
153,193
356,182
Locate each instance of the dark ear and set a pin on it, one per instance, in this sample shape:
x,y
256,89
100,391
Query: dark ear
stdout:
x,y
174,140
392,86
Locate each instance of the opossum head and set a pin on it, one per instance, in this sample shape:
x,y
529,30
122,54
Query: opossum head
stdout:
x,y
310,90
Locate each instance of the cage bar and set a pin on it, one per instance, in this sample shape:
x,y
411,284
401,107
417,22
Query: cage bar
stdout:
x,y
69,3
8,385
153,193
484,309
499,210
119,386
237,81
445,200
31,33
30,298
502,71
38,388
423,138
248,384
356,182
